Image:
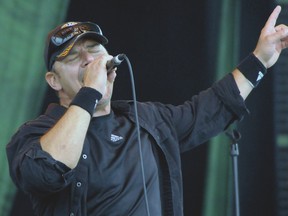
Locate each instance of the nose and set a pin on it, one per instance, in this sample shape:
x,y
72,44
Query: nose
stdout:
x,y
87,58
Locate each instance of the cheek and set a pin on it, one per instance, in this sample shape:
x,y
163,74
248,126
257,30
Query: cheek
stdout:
x,y
70,74
70,77
70,82
75,74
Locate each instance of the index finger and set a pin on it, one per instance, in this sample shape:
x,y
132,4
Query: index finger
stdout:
x,y
271,22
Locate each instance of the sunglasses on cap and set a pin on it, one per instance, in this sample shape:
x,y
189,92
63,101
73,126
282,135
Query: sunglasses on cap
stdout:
x,y
67,32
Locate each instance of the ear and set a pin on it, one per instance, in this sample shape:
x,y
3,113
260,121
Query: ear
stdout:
x,y
53,80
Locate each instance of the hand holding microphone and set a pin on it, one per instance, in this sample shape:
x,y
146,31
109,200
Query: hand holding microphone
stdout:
x,y
110,65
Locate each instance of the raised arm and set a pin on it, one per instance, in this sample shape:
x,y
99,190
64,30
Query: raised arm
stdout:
x,y
273,39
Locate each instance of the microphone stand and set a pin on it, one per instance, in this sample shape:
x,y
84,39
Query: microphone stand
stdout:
x,y
234,152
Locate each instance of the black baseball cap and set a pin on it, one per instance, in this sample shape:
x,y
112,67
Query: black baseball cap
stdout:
x,y
61,39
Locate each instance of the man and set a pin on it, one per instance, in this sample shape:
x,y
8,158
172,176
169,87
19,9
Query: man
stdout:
x,y
82,156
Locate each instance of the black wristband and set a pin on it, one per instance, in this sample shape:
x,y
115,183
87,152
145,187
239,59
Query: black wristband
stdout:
x,y
253,69
87,98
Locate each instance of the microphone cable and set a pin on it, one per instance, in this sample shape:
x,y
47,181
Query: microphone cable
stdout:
x,y
122,57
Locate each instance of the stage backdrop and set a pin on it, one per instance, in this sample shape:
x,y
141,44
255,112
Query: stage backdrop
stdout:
x,y
24,25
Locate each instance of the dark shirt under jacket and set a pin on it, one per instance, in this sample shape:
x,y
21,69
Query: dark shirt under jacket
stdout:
x,y
166,132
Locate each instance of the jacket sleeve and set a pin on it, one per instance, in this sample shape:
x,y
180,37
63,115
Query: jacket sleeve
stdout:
x,y
206,114
32,169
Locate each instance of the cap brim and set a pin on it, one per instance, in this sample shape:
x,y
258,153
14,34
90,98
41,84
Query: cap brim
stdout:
x,y
92,35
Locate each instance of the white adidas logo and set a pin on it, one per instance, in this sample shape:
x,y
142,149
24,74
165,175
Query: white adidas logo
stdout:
x,y
260,76
115,138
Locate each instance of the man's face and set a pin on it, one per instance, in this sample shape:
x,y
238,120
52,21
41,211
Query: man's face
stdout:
x,y
71,69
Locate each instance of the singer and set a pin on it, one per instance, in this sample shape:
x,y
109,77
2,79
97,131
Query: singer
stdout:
x,y
82,158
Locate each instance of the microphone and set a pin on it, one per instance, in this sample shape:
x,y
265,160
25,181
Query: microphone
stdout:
x,y
115,61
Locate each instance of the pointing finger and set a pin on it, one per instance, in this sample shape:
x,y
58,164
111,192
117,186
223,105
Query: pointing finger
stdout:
x,y
271,22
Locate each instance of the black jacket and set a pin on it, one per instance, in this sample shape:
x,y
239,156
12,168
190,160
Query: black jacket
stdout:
x,y
57,190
